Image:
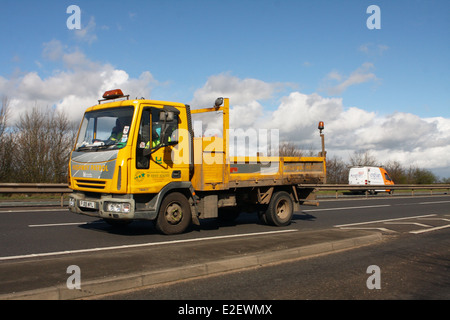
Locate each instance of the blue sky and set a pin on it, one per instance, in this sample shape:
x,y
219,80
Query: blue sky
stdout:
x,y
178,50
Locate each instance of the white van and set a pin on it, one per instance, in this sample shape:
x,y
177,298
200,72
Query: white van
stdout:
x,y
370,176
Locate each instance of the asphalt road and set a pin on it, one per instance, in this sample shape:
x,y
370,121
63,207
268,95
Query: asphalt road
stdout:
x,y
40,230
38,235
411,267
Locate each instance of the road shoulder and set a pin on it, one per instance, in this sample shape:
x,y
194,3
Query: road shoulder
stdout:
x,y
45,278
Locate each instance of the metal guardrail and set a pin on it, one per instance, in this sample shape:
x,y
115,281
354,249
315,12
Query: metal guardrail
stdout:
x,y
63,188
34,188
367,188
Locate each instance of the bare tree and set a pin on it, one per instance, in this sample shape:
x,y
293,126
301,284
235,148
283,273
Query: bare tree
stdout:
x,y
4,114
421,176
337,171
63,134
396,171
289,149
6,142
445,180
32,146
44,139
363,158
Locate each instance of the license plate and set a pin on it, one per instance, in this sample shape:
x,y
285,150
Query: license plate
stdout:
x,y
87,204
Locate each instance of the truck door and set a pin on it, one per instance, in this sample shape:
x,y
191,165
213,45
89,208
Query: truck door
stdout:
x,y
153,164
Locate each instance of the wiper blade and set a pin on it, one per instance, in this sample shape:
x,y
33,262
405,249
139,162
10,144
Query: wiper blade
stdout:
x,y
102,147
93,148
83,148
96,147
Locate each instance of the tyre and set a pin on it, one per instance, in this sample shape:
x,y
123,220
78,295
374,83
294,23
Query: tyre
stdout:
x,y
280,210
262,217
174,214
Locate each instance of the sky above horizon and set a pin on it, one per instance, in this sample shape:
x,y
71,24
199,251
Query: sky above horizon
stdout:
x,y
284,65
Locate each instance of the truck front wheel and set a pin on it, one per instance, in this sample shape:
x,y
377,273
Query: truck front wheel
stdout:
x,y
174,214
280,210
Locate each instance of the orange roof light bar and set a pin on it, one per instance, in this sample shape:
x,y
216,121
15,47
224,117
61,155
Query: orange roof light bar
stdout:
x,y
113,94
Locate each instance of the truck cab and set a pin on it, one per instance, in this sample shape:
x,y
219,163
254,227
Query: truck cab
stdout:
x,y
124,148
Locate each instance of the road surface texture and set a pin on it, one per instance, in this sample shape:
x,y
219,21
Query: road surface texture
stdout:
x,y
40,247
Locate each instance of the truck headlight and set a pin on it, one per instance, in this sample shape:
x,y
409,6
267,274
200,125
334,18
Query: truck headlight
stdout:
x,y
123,207
71,202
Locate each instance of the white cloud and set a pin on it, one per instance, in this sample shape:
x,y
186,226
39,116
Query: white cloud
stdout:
x,y
360,75
400,136
72,90
373,49
53,50
402,131
87,32
243,91
245,95
298,115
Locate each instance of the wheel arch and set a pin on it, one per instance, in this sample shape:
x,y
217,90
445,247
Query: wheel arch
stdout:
x,y
183,187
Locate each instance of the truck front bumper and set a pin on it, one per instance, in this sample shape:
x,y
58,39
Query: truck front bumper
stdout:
x,y
106,207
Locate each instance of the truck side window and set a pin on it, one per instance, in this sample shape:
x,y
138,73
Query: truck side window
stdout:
x,y
142,162
150,135
170,129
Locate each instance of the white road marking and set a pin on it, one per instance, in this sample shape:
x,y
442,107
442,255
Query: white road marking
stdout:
x,y
62,224
414,223
368,228
385,220
391,221
434,202
348,208
57,253
442,219
430,229
32,210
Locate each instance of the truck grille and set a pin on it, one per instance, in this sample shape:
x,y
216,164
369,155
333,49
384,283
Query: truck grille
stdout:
x,y
91,184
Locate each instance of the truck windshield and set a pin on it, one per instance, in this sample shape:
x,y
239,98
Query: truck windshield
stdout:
x,y
105,129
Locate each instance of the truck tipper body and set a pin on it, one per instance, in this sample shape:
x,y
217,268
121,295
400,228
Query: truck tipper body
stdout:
x,y
139,160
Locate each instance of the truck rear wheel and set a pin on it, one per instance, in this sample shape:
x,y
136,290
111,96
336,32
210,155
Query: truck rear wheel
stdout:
x,y
174,214
280,210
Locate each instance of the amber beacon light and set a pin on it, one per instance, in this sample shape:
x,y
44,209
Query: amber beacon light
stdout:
x,y
321,126
113,94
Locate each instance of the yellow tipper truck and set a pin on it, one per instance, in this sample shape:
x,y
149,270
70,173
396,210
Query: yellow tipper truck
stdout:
x,y
139,160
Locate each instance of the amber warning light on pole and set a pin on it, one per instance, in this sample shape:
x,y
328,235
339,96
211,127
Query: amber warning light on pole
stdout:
x,y
322,136
321,126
